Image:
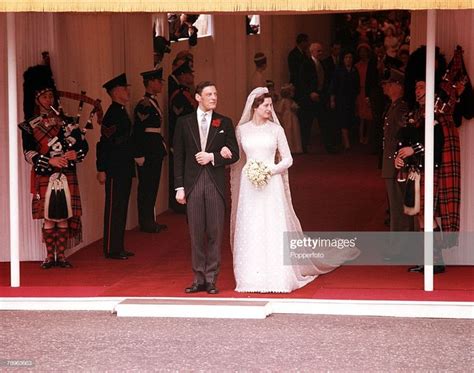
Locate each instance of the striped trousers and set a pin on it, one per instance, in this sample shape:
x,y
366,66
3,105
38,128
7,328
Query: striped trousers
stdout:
x,y
205,214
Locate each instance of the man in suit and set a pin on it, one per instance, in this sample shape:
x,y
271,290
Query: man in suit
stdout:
x,y
116,167
307,96
149,150
320,97
330,63
296,57
204,143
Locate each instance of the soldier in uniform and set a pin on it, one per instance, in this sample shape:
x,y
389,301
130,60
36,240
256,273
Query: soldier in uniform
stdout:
x,y
150,150
181,102
395,118
180,58
116,167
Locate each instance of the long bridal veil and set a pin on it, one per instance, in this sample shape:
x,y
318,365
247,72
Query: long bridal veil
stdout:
x,y
236,168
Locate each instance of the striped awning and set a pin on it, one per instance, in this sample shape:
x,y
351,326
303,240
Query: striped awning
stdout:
x,y
210,6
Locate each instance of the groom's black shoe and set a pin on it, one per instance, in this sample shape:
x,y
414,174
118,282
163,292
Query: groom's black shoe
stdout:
x,y
211,288
194,288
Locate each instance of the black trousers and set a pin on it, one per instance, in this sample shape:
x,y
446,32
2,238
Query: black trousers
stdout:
x,y
117,194
148,182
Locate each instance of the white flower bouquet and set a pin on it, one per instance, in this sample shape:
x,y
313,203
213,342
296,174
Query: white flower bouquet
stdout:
x,y
258,173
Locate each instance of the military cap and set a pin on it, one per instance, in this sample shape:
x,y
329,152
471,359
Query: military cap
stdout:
x,y
393,76
153,74
183,69
118,81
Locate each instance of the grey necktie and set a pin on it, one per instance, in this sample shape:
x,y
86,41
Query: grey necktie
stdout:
x,y
203,131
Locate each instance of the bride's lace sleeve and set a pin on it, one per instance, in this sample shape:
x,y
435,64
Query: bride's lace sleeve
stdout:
x,y
286,160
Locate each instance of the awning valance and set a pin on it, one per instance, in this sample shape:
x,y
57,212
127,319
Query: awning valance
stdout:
x,y
209,6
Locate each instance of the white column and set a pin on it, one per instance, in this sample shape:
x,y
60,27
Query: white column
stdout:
x,y
13,152
429,147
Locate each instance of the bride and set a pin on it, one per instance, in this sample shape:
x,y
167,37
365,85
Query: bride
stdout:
x,y
261,215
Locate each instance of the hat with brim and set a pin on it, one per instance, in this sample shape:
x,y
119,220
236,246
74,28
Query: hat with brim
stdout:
x,y
393,76
118,81
183,69
153,74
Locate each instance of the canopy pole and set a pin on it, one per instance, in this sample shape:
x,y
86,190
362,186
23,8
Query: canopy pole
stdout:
x,y
13,152
429,147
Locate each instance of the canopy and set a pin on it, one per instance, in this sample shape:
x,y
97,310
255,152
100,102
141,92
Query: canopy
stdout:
x,y
245,6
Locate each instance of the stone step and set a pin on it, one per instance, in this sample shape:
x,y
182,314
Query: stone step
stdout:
x,y
193,308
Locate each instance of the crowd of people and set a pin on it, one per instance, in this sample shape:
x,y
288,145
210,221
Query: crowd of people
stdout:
x,y
339,87
368,80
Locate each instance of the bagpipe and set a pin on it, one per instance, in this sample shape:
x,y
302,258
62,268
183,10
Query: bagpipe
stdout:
x,y
68,122
71,133
40,78
452,86
53,133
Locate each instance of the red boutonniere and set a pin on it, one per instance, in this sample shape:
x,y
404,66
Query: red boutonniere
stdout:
x,y
216,123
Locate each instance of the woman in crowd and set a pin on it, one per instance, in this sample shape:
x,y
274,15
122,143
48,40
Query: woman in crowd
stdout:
x,y
344,89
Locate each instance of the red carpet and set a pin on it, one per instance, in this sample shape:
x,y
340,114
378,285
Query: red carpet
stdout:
x,y
330,193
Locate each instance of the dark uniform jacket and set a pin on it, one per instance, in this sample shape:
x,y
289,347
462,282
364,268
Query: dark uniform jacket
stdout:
x,y
413,135
148,114
115,150
39,147
395,118
181,103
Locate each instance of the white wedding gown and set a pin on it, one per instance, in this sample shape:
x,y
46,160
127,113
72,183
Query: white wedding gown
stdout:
x,y
260,216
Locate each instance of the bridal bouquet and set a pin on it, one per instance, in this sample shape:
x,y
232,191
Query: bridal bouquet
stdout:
x,y
258,173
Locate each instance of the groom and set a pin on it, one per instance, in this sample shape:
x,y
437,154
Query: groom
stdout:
x,y
204,143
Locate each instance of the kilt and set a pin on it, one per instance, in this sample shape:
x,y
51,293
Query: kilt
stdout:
x,y
447,179
40,187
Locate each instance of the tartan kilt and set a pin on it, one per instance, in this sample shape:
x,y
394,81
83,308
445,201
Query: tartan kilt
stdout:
x,y
447,179
40,188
